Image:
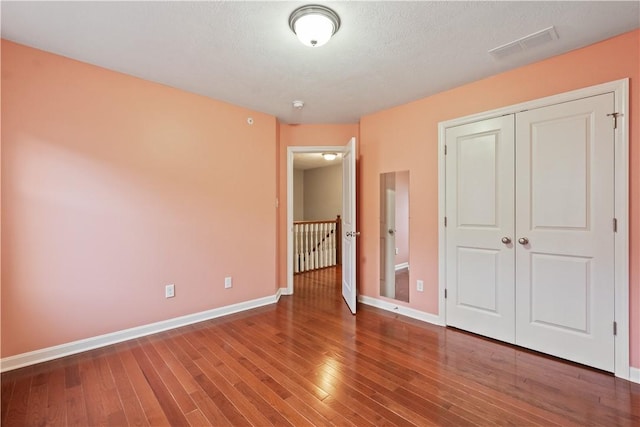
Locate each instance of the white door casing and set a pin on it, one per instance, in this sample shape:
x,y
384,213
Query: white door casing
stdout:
x,y
349,230
619,162
288,290
480,213
565,210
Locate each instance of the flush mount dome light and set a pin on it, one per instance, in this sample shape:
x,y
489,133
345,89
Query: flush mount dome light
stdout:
x,y
314,24
329,156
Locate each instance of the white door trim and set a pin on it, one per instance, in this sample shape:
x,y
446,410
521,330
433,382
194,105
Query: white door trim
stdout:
x,y
620,88
290,152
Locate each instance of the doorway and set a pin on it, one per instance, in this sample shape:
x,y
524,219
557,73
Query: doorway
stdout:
x,y
310,162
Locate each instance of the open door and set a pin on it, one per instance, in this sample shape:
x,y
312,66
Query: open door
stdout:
x,y
349,232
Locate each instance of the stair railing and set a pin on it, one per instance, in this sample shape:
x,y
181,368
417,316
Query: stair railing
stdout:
x,y
316,244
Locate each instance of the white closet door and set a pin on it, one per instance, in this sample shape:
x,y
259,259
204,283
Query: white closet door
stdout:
x,y
480,213
565,209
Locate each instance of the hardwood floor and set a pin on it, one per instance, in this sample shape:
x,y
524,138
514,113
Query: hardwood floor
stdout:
x,y
308,361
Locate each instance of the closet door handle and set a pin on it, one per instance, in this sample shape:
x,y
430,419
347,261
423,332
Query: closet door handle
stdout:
x,y
506,240
523,240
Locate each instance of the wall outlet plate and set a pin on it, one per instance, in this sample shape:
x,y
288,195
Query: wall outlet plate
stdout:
x,y
170,291
228,282
420,286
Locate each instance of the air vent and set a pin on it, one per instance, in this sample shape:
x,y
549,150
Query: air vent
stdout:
x,y
527,42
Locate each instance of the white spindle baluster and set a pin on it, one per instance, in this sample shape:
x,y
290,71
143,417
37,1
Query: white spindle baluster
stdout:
x,y
325,244
301,247
315,245
305,236
334,246
321,246
296,250
310,246
331,240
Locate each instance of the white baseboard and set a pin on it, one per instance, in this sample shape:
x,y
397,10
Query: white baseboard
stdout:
x,y
284,291
50,353
402,266
634,375
400,309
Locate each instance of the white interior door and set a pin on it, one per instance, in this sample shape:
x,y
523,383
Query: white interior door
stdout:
x,y
349,232
480,214
565,211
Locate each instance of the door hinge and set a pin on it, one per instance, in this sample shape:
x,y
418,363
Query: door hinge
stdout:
x,y
615,119
445,150
445,221
615,225
445,293
615,328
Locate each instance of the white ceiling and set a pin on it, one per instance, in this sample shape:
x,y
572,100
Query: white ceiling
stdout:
x,y
385,54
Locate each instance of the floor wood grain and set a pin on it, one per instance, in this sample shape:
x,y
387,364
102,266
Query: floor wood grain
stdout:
x,y
307,361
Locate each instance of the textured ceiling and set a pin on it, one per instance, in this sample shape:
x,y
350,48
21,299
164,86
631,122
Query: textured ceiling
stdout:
x,y
385,54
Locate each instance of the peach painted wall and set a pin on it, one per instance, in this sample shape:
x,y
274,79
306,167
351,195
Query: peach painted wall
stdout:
x,y
298,136
406,137
113,187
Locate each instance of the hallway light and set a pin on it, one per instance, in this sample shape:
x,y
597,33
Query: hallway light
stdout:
x,y
329,156
314,24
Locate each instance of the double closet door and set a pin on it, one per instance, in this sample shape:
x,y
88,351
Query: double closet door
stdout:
x,y
530,236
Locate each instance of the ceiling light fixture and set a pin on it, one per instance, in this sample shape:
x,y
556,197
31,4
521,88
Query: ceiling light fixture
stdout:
x,y
314,24
329,156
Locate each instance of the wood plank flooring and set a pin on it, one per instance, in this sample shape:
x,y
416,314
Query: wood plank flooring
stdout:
x,y
307,361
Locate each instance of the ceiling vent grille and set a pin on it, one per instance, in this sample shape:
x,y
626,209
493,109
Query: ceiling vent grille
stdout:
x,y
527,42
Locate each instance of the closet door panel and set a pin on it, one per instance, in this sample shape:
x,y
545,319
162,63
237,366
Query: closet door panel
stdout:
x,y
480,211
564,210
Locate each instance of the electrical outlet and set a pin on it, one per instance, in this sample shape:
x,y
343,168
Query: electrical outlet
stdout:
x,y
170,291
420,286
228,282
397,251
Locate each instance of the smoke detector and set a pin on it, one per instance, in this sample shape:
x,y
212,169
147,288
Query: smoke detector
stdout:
x,y
298,105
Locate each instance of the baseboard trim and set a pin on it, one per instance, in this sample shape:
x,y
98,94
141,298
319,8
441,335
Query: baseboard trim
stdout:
x,y
402,266
634,375
62,350
284,291
400,309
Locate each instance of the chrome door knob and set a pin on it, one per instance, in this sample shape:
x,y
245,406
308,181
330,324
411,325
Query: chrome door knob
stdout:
x,y
506,240
523,240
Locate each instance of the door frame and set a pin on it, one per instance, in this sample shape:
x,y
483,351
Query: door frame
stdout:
x,y
620,88
291,150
